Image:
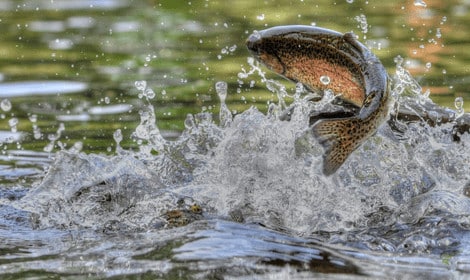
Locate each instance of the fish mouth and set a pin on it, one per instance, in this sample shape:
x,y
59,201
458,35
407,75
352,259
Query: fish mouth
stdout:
x,y
263,54
253,43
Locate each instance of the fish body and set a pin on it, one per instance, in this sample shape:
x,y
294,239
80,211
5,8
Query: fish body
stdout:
x,y
324,59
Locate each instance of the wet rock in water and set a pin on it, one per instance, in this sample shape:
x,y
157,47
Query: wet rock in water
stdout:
x,y
466,190
237,216
183,216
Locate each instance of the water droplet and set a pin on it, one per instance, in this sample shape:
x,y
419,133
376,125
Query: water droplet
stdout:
x,y
5,105
443,20
49,147
398,60
37,134
117,135
420,3
444,71
260,17
350,1
140,85
33,118
221,89
458,103
107,100
428,65
225,116
325,80
362,20
149,93
189,121
13,122
242,75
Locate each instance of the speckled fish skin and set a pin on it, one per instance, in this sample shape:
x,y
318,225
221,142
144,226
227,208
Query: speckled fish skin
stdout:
x,y
305,54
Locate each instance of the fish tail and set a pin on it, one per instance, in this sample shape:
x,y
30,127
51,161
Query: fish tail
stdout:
x,y
339,138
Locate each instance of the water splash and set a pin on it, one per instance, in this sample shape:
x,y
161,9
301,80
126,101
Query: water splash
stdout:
x,y
53,138
266,169
225,116
363,25
147,135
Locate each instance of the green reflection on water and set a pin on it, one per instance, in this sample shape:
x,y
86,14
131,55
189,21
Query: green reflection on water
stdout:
x,y
182,48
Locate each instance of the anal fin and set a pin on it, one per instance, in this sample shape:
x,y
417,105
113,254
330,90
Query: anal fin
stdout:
x,y
339,138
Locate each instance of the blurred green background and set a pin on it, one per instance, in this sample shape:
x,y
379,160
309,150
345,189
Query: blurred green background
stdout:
x,y
181,49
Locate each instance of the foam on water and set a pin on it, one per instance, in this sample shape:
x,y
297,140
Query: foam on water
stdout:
x,y
259,168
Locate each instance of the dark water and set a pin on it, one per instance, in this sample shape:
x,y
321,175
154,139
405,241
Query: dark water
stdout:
x,y
139,140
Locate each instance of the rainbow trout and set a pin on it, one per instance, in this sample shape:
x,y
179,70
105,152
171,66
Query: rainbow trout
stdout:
x,y
323,59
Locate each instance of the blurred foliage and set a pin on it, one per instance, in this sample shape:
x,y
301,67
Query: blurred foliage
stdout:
x,y
182,48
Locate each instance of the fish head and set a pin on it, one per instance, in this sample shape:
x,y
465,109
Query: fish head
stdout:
x,y
261,51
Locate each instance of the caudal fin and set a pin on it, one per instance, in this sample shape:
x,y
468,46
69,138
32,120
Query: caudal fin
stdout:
x,y
339,138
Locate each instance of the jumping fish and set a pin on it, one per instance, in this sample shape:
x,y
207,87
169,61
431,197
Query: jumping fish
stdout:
x,y
324,59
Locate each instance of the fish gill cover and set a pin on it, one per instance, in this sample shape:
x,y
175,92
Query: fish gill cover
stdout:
x,y
403,189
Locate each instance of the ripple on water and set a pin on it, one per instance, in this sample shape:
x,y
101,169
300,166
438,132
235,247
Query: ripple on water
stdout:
x,y
76,5
11,137
29,88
